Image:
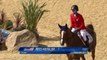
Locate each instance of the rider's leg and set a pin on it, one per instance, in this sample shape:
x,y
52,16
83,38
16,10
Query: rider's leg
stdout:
x,y
90,40
89,37
84,36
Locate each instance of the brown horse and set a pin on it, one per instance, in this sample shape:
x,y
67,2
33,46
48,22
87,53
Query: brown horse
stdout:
x,y
72,40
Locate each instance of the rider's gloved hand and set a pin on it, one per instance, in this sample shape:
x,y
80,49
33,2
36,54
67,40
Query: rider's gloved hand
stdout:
x,y
74,30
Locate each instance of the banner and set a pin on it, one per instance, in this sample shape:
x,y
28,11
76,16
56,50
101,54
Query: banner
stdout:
x,y
53,50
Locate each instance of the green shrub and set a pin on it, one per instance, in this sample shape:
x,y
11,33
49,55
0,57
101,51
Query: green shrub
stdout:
x,y
32,12
8,24
1,24
2,18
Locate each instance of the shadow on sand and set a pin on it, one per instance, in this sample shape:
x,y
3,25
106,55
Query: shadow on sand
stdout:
x,y
42,38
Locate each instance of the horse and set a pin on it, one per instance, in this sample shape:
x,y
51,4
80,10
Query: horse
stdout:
x,y
73,40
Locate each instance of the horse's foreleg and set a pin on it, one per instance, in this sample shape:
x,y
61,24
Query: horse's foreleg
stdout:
x,y
77,58
83,57
69,57
93,54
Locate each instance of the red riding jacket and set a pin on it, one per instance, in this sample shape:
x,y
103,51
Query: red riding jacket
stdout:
x,y
77,21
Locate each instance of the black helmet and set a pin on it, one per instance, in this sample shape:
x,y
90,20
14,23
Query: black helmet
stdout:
x,y
74,7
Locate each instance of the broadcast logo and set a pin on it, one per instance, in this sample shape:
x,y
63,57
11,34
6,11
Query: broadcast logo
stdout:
x,y
29,49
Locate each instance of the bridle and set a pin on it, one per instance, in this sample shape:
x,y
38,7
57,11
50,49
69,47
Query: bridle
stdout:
x,y
62,36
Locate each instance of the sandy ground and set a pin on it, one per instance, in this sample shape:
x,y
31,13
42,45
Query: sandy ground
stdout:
x,y
94,11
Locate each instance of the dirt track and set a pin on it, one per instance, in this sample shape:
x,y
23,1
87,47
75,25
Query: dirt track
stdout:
x,y
94,11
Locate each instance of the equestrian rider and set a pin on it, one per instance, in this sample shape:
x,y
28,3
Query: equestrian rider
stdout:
x,y
78,25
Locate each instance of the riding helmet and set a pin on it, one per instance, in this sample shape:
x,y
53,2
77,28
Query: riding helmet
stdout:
x,y
74,7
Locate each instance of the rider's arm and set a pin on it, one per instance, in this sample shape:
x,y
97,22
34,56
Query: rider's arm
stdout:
x,y
81,23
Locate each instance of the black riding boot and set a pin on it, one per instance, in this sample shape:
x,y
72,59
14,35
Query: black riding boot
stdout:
x,y
87,45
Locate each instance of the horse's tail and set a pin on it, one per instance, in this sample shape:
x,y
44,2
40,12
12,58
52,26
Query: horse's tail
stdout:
x,y
90,26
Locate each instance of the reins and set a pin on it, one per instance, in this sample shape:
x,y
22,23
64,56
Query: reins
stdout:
x,y
82,40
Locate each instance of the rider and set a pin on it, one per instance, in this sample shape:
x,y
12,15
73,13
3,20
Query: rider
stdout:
x,y
78,25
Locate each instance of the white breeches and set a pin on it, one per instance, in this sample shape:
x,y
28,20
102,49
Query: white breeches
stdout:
x,y
84,34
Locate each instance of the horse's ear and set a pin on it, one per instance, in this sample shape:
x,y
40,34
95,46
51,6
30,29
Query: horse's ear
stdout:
x,y
66,25
59,26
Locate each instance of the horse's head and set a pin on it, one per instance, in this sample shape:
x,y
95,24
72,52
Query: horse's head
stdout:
x,y
64,32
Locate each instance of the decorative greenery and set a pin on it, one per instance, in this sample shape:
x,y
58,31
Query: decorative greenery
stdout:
x,y
19,28
1,24
2,19
2,15
8,24
18,18
32,12
5,24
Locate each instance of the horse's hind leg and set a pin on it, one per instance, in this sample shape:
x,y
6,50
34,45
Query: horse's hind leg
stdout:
x,y
93,54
